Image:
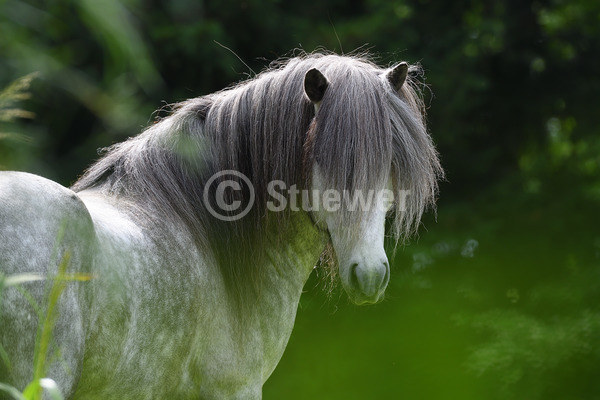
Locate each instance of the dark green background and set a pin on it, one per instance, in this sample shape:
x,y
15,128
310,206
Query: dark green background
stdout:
x,y
499,297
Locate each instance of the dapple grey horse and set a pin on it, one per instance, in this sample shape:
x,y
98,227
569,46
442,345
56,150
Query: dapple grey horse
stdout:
x,y
199,233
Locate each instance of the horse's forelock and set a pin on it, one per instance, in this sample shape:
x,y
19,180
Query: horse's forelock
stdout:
x,y
364,127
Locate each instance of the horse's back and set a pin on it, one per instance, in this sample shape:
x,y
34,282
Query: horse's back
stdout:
x,y
43,226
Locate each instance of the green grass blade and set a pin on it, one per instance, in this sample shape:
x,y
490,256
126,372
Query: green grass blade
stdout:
x,y
58,286
12,392
14,280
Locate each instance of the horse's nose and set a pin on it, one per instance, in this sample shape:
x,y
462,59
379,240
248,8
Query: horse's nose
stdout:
x,y
370,279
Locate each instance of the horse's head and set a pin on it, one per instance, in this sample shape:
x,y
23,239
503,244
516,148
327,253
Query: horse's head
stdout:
x,y
353,208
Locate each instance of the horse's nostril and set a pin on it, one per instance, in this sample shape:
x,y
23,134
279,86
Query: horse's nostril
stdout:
x,y
354,275
386,278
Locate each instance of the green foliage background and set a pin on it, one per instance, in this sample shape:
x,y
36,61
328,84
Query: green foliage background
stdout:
x,y
499,297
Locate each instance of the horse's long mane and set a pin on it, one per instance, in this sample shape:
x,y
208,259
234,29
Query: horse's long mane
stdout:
x,y
262,128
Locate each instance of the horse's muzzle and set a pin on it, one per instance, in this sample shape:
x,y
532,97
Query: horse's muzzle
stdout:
x,y
368,281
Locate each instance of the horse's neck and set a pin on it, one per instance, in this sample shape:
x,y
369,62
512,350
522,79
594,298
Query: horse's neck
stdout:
x,y
289,258
288,264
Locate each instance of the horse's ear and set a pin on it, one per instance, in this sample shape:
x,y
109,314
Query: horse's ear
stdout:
x,y
315,85
397,76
